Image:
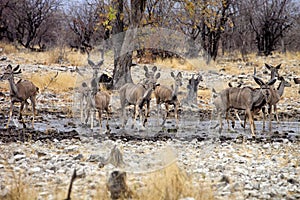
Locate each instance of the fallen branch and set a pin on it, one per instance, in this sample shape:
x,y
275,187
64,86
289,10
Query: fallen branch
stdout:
x,y
71,184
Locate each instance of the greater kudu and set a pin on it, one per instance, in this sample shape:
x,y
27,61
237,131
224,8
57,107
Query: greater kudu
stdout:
x,y
242,99
168,96
19,92
138,95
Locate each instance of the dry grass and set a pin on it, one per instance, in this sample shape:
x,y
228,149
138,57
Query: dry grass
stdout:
x,y
184,65
76,58
8,48
17,184
62,83
168,183
172,183
50,57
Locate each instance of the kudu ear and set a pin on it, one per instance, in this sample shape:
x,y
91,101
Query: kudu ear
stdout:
x,y
154,68
214,91
259,81
146,68
157,75
268,66
18,72
179,75
199,78
278,66
9,67
84,84
172,74
271,82
16,68
146,71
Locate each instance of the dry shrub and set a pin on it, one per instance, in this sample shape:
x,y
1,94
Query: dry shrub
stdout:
x,y
8,48
62,83
20,189
18,184
174,63
76,58
171,183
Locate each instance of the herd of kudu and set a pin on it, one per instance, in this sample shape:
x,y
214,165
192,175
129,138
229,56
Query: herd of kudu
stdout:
x,y
92,98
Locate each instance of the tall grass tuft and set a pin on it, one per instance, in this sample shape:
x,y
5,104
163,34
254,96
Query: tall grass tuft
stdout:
x,y
18,185
172,183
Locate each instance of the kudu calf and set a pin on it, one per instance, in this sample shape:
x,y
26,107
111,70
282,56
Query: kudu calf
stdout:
x,y
19,92
242,99
168,96
138,95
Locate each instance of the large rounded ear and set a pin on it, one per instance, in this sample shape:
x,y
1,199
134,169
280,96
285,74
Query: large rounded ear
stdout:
x,y
200,78
9,66
271,82
84,84
16,68
157,75
268,66
154,68
258,81
179,75
172,74
18,72
146,68
278,66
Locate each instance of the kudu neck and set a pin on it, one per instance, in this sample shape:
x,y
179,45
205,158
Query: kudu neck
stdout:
x,y
280,88
175,90
12,86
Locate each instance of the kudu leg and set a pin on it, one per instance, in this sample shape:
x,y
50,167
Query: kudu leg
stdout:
x,y
107,117
220,122
264,118
20,114
100,120
10,114
33,102
158,106
147,113
276,114
229,117
92,119
176,114
166,114
237,116
249,114
135,114
270,119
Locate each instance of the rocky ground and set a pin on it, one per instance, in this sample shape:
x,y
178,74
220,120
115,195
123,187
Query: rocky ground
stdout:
x,y
230,165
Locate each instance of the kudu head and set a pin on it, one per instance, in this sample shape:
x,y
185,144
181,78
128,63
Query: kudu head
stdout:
x,y
96,68
177,78
151,77
264,87
9,71
284,82
274,70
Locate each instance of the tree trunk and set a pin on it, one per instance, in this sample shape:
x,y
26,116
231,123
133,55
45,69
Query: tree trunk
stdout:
x,y
124,42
